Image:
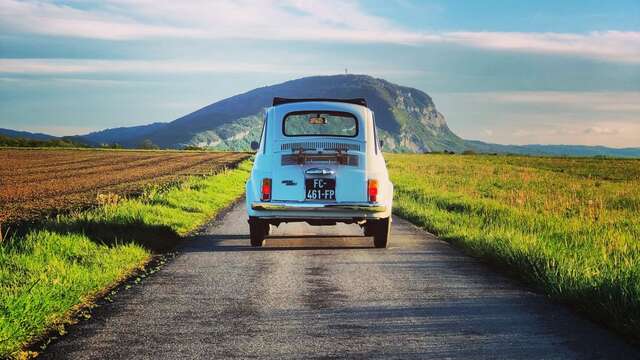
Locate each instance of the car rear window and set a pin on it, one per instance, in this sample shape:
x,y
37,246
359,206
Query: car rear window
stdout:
x,y
320,123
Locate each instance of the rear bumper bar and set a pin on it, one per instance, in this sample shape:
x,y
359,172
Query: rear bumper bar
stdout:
x,y
310,206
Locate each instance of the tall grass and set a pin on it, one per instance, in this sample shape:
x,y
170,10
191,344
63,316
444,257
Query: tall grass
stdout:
x,y
570,227
48,271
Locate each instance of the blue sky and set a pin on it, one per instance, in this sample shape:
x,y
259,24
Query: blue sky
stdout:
x,y
502,71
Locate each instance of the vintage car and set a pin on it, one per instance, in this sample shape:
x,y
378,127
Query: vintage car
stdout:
x,y
319,161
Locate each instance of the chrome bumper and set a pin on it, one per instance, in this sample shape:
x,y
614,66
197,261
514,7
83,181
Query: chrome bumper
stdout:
x,y
310,206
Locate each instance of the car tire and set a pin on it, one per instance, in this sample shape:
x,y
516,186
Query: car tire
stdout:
x,y
256,232
381,230
369,228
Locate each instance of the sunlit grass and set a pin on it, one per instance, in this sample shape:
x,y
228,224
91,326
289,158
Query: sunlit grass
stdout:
x,y
45,273
570,227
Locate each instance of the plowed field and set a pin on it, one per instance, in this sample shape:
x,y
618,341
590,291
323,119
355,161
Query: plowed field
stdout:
x,y
37,182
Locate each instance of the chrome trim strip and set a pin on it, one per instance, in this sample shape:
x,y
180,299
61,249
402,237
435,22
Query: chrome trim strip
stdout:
x,y
310,206
318,171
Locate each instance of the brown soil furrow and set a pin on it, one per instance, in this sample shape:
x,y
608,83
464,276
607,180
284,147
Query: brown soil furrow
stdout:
x,y
99,175
75,183
24,163
70,165
89,169
76,164
56,187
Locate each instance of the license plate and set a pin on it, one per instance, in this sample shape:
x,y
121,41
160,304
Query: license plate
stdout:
x,y
320,189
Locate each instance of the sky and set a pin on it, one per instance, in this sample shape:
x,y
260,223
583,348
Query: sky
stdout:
x,y
510,72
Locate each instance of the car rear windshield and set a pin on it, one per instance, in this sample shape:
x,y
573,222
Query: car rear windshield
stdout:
x,y
323,123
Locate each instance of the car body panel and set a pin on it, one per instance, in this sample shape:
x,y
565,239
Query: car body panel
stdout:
x,y
289,160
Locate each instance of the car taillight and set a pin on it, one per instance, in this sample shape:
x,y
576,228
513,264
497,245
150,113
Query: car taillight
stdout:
x,y
266,189
372,190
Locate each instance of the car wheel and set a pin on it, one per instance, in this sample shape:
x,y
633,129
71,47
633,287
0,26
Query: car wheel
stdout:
x,y
369,228
256,232
381,230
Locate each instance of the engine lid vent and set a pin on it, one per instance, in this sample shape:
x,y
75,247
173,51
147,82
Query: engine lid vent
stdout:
x,y
319,145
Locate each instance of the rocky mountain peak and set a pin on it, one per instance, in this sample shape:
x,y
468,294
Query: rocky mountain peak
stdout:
x,y
407,118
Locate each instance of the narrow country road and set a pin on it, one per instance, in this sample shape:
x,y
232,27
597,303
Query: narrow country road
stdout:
x,y
323,292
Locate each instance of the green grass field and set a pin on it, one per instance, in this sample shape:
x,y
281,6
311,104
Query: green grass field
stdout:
x,y
568,226
48,272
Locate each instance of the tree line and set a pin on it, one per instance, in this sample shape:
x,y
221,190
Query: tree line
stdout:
x,y
65,142
6,141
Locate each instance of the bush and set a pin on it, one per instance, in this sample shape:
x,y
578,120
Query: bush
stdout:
x,y
147,144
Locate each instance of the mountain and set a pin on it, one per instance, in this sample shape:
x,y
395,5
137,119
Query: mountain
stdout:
x,y
121,135
26,135
13,138
407,117
552,150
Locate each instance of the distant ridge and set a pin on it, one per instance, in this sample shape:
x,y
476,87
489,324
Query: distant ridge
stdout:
x,y
553,150
121,135
407,118
26,135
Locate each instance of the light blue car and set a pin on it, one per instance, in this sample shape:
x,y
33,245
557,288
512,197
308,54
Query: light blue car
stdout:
x,y
319,161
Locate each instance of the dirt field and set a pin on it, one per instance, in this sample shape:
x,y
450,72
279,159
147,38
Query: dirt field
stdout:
x,y
37,182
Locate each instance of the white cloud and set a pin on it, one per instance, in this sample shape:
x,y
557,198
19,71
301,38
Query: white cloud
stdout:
x,y
597,130
48,18
66,81
87,66
545,117
296,65
594,101
262,19
522,133
329,20
603,45
533,129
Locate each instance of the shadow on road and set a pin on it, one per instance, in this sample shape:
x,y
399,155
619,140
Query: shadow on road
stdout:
x,y
235,242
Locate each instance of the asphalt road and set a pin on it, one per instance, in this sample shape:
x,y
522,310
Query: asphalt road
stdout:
x,y
324,292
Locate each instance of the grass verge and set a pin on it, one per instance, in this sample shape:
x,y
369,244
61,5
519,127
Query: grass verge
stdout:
x,y
569,227
48,272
